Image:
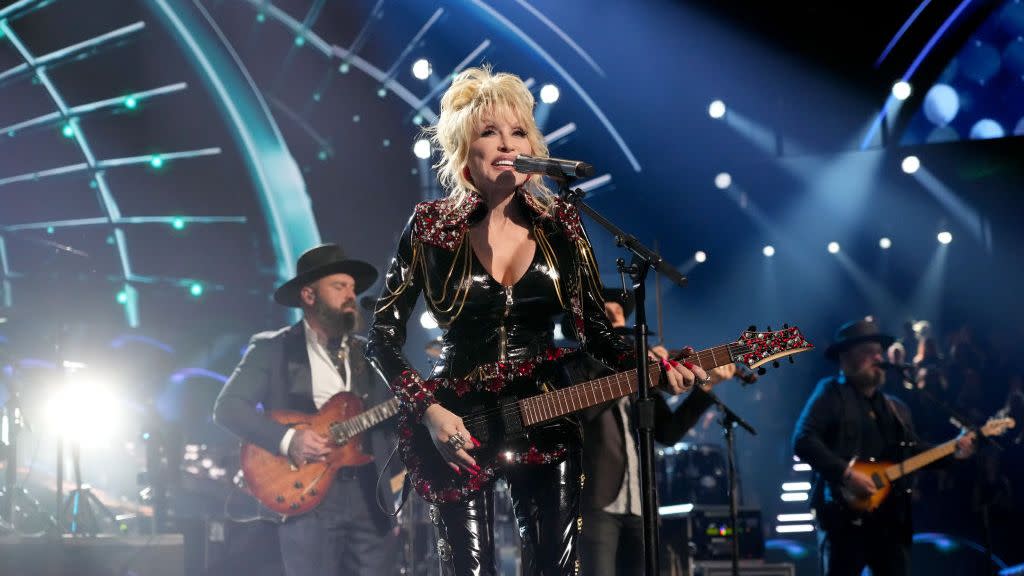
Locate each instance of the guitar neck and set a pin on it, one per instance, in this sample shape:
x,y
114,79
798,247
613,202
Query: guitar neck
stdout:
x,y
578,397
915,463
368,419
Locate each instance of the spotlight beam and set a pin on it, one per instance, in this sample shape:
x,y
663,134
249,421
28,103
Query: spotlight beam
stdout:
x,y
71,51
412,43
559,133
83,109
302,123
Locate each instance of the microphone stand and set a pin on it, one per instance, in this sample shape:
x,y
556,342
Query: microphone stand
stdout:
x,y
729,421
643,260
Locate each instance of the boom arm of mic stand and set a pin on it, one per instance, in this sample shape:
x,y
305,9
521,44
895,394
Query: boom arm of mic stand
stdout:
x,y
629,241
728,415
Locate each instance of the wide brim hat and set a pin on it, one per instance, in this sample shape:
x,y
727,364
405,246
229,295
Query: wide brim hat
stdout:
x,y
855,332
320,261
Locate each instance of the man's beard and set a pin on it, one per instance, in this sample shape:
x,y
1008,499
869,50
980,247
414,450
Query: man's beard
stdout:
x,y
867,378
336,322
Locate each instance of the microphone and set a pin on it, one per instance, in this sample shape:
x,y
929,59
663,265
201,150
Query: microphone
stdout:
x,y
899,366
553,167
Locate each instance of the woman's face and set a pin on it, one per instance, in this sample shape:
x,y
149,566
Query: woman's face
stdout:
x,y
497,139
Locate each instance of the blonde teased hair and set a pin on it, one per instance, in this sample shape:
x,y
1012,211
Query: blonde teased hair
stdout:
x,y
475,92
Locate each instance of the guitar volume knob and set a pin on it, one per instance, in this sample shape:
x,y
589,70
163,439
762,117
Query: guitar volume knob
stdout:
x,y
298,485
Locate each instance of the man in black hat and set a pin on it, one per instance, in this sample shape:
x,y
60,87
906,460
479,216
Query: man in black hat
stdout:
x,y
299,368
848,418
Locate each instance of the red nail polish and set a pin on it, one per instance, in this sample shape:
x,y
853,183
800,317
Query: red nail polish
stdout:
x,y
475,441
458,471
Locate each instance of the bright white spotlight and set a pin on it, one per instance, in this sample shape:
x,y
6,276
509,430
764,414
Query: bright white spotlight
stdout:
x,y
421,149
768,251
901,90
83,410
945,237
421,69
723,180
428,321
716,109
833,247
884,243
910,164
549,94
700,256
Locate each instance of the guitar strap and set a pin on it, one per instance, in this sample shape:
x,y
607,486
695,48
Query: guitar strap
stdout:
x,y
907,437
406,485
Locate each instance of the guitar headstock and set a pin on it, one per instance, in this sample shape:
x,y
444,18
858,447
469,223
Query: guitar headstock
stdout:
x,y
997,426
755,348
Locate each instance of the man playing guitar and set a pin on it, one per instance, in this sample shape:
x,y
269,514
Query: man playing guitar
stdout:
x,y
848,419
299,368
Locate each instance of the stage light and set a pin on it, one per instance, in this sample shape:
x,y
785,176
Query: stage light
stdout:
x,y
804,517
549,94
131,103
196,289
300,41
723,180
901,90
421,149
801,467
83,410
700,256
417,120
422,69
794,528
382,92
50,229
945,237
796,486
884,243
343,68
122,297
833,247
910,164
793,496
156,161
386,142
261,17
356,118
768,251
68,131
322,155
716,109
178,223
428,321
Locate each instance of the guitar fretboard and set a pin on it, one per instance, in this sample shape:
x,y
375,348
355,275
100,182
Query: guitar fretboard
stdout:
x,y
366,420
577,397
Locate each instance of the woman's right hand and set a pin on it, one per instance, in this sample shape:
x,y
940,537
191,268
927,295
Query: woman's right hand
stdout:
x,y
443,424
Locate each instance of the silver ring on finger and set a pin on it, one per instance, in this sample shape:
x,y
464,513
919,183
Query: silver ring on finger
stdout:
x,y
456,442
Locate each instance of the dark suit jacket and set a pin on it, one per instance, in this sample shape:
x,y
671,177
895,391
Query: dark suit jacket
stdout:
x,y
275,373
604,446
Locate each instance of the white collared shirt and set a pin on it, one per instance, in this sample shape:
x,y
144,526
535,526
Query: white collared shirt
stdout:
x,y
327,380
627,501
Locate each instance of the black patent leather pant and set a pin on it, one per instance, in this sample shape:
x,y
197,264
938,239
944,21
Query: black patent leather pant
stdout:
x,y
546,502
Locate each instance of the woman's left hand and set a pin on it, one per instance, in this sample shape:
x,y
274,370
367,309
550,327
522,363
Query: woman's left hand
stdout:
x,y
681,376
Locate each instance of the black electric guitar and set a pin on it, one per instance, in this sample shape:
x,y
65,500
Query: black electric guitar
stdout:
x,y
503,419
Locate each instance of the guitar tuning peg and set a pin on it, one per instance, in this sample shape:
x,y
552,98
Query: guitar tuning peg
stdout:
x,y
785,326
791,361
751,328
761,371
768,328
775,364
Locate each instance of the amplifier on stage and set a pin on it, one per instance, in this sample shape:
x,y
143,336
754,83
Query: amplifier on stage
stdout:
x,y
711,533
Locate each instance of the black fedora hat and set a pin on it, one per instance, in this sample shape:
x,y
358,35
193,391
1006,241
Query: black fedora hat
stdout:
x,y
855,332
320,261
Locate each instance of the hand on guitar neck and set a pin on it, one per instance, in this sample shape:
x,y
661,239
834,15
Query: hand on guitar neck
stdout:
x,y
717,375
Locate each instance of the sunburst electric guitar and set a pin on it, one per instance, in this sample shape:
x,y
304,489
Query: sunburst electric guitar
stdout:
x,y
291,490
883,474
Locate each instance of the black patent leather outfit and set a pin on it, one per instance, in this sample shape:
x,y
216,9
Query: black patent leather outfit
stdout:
x,y
487,324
